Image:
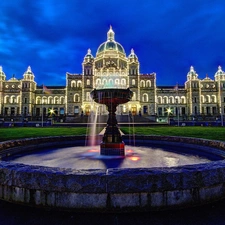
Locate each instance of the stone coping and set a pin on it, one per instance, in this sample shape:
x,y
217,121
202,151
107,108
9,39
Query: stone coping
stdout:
x,y
111,190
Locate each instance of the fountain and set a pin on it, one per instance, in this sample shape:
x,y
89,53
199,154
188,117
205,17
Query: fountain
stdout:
x,y
112,188
112,143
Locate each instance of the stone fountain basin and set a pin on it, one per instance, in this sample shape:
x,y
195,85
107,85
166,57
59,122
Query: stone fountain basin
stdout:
x,y
111,96
111,190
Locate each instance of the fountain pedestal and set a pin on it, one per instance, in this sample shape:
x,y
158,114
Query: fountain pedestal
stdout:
x,y
112,143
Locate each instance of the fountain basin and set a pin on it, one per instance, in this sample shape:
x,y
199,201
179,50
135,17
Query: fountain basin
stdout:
x,y
111,190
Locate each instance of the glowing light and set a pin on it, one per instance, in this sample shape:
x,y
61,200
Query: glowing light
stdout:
x,y
129,151
51,111
93,150
169,111
135,158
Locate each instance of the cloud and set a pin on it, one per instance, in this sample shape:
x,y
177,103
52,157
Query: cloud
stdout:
x,y
168,36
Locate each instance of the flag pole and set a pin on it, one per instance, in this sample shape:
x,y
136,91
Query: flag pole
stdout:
x,y
178,109
42,116
221,108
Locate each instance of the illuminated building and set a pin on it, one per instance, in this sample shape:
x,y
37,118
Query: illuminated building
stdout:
x,y
112,68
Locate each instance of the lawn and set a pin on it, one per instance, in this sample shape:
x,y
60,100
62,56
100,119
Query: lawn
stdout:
x,y
27,132
213,133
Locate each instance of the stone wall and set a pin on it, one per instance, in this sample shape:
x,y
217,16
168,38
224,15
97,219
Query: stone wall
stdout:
x,y
112,189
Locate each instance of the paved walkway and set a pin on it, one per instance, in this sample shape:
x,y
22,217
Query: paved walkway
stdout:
x,y
11,214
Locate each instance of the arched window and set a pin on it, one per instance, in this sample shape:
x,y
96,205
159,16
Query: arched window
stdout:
x,y
123,81
208,98
98,82
171,99
73,83
79,84
145,97
88,98
13,99
76,98
110,82
50,100
117,81
165,100
202,99
104,82
133,81
148,83
56,100
159,100
183,100
88,82
38,100
44,100
177,99
62,100
142,84
213,98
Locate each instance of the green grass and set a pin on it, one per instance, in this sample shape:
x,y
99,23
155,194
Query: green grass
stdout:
x,y
213,133
27,132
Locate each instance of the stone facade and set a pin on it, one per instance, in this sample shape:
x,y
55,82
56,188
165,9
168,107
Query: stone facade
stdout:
x,y
112,68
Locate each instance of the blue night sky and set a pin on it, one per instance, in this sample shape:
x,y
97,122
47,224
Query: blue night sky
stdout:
x,y
53,36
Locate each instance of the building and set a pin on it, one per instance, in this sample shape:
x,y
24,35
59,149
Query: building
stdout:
x,y
196,99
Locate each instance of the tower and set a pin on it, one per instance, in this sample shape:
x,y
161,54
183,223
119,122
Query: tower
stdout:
x,y
28,92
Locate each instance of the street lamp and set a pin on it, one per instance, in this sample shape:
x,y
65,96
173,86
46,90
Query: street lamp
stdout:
x,y
169,111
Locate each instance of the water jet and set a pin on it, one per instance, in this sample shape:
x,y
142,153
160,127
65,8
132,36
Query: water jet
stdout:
x,y
112,143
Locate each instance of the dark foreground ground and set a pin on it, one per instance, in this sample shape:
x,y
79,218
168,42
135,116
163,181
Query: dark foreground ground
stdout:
x,y
213,214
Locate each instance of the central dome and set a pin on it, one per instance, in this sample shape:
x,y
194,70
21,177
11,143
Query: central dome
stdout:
x,y
110,44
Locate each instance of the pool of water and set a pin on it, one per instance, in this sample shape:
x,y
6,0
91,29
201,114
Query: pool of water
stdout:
x,y
87,157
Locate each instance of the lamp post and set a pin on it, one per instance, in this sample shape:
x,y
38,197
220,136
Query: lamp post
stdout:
x,y
169,111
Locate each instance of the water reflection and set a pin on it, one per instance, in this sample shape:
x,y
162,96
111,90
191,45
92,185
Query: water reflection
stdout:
x,y
88,157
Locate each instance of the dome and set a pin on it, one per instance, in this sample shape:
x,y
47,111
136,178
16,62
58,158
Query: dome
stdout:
x,y
192,73
110,44
89,55
28,75
219,71
133,56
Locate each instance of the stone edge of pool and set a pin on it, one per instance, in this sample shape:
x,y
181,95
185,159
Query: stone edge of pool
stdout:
x,y
111,190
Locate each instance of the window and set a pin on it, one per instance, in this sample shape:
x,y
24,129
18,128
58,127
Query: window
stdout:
x,y
61,111
73,83
13,99
38,100
56,100
88,96
142,84
50,100
62,100
76,98
148,83
145,97
123,82
133,81
160,100
79,83
88,82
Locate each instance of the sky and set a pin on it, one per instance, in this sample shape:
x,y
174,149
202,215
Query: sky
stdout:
x,y
53,36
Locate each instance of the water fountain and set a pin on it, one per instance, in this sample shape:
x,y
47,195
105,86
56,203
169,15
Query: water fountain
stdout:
x,y
112,143
115,188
